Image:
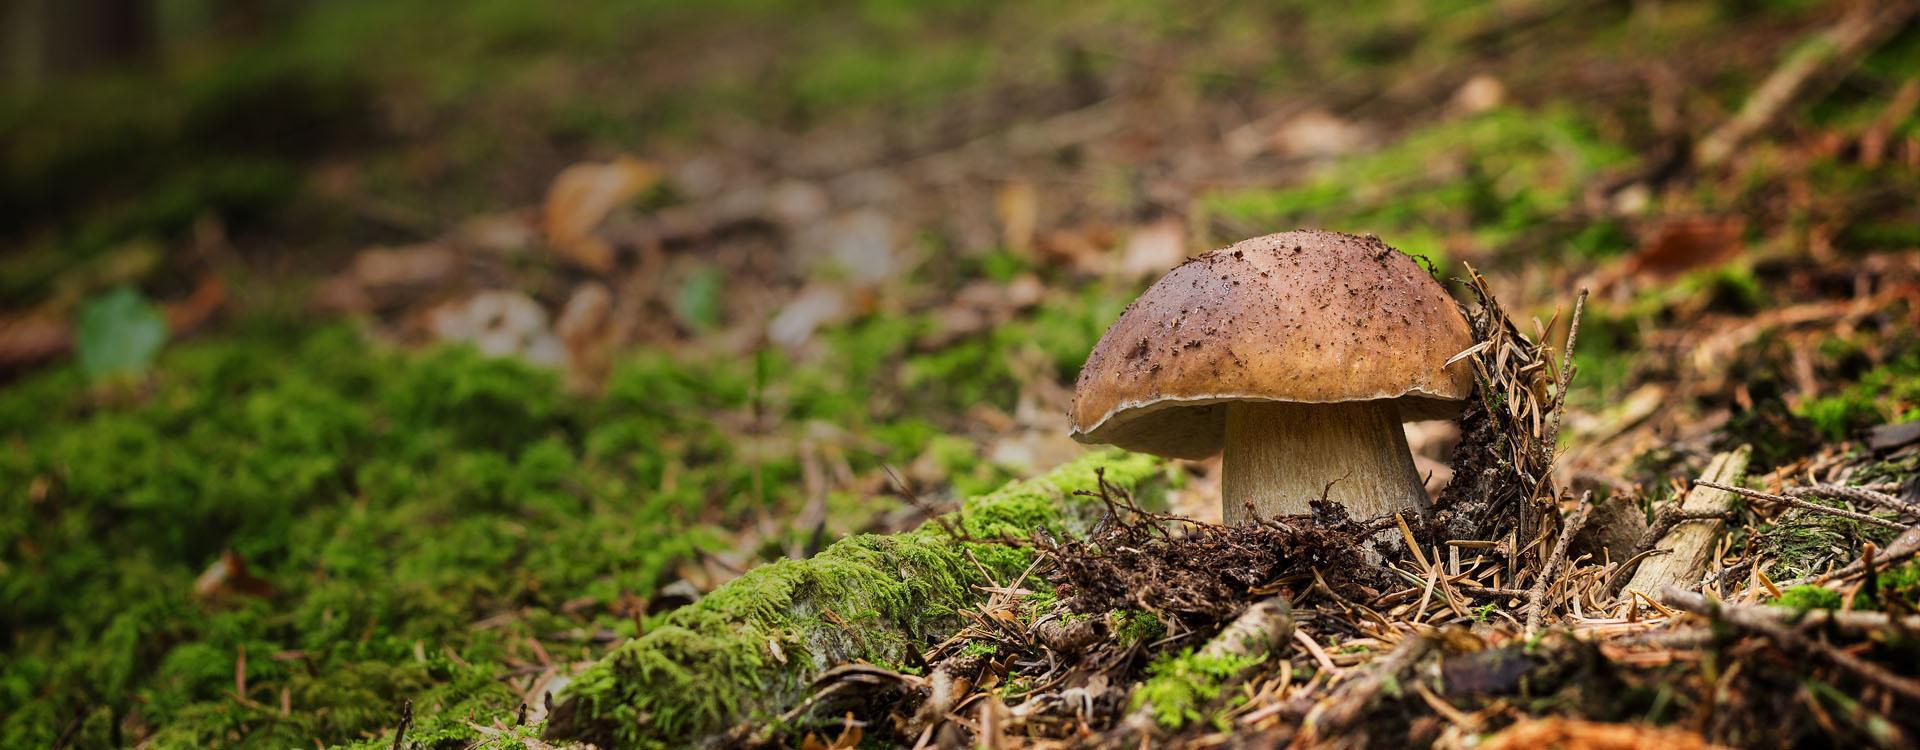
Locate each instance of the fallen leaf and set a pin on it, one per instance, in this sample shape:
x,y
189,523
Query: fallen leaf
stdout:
x,y
1682,245
581,197
118,334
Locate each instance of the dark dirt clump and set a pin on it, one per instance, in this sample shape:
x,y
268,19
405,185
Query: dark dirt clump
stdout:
x,y
1210,572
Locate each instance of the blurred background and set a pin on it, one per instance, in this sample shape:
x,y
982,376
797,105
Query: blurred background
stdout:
x,y
365,350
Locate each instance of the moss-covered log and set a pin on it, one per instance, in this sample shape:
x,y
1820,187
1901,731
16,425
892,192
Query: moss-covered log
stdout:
x,y
748,650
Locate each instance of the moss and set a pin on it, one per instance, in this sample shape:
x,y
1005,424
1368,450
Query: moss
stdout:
x,y
1898,584
1800,543
714,663
1502,176
1131,628
1184,688
1887,393
1804,598
979,648
391,501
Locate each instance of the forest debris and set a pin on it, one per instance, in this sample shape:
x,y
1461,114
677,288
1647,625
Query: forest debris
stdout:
x,y
1874,140
1204,574
1480,93
1550,569
585,329
1349,702
1754,618
815,306
580,197
1562,733
1798,503
31,338
1614,528
229,575
1017,205
1153,248
1850,620
1901,548
1681,245
381,277
1503,465
1692,543
1264,627
500,324
1831,52
1887,437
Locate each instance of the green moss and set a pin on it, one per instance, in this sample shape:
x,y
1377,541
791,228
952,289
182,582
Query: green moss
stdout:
x,y
1184,688
979,648
750,648
1496,176
392,501
1800,543
1804,598
1131,628
1898,584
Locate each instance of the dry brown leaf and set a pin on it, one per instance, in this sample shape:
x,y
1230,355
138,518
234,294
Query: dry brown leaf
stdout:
x,y
1682,245
581,197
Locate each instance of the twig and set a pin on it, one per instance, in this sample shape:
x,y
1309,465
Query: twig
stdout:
x,y
1538,593
406,722
1345,706
1798,503
1837,48
1865,495
1850,620
1566,372
1758,620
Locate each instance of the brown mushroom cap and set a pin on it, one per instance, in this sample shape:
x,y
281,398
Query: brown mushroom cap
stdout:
x,y
1305,316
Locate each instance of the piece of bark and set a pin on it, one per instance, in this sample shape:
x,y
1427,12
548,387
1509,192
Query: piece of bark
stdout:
x,y
1614,529
1692,542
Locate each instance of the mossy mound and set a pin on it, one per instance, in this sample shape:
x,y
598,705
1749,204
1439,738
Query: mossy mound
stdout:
x,y
414,526
750,649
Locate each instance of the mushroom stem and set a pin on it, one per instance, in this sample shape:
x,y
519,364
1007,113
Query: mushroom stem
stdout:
x,y
1281,455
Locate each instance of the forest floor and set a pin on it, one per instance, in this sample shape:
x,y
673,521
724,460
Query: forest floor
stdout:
x,y
442,379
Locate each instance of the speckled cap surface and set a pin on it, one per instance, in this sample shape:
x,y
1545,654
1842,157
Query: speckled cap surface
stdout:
x,y
1304,316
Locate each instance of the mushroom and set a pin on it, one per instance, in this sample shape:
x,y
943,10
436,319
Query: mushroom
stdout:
x,y
1299,354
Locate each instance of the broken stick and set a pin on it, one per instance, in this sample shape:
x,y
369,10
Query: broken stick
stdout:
x,y
1692,543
